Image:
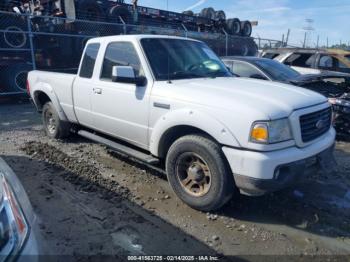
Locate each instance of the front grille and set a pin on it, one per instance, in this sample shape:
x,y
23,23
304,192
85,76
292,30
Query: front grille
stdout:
x,y
315,124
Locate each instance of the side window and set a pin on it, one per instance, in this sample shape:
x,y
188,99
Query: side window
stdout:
x,y
228,64
300,59
88,64
342,65
326,61
246,70
120,54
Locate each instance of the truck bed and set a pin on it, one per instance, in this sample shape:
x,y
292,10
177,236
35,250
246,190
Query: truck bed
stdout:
x,y
58,83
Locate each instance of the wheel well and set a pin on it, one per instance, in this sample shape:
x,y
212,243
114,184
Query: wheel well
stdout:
x,y
174,133
41,99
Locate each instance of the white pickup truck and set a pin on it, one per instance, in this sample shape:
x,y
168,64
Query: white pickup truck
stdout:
x,y
171,102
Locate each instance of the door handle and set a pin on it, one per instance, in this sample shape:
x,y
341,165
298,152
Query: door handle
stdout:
x,y
97,91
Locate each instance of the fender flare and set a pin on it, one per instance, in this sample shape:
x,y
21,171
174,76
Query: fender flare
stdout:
x,y
194,118
48,90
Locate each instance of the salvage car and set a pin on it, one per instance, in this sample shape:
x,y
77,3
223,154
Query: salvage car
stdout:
x,y
334,85
311,61
19,231
171,101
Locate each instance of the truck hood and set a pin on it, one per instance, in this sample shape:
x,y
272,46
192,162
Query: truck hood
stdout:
x,y
275,100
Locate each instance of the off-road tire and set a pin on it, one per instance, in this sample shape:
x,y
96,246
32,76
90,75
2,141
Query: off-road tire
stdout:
x,y
222,184
62,128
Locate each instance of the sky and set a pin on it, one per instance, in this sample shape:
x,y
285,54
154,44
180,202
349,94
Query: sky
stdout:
x,y
275,17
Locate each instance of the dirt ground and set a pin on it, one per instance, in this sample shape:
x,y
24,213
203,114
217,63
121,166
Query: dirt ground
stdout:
x,y
93,201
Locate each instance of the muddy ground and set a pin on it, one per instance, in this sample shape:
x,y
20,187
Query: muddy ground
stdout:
x,y
93,201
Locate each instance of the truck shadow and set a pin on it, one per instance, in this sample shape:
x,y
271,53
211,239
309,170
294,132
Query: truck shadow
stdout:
x,y
99,212
319,204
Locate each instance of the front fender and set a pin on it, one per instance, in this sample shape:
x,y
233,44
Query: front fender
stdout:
x,y
48,90
194,118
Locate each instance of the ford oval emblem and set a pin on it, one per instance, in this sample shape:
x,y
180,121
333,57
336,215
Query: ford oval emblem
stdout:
x,y
320,124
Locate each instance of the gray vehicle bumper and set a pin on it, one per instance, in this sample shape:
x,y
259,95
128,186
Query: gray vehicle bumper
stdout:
x,y
286,175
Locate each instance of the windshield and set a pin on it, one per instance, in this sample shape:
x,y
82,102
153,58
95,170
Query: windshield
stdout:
x,y
172,59
277,71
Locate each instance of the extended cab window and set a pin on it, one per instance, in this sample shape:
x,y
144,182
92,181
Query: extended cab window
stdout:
x,y
88,64
120,54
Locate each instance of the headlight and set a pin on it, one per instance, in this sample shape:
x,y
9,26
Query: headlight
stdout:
x,y
269,132
13,226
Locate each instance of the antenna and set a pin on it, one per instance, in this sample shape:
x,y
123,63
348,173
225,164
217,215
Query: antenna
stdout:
x,y
169,81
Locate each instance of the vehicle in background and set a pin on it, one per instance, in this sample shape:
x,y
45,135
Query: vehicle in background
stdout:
x,y
19,231
311,61
334,85
171,100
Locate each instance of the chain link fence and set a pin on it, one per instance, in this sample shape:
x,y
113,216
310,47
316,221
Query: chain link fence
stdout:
x,y
263,43
49,43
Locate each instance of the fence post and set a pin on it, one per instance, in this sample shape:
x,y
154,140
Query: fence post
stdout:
x,y
30,37
124,24
226,35
184,27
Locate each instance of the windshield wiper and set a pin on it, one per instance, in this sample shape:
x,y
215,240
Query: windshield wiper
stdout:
x,y
185,75
215,74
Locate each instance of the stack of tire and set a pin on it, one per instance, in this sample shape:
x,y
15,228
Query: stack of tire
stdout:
x,y
14,36
14,29
232,26
13,78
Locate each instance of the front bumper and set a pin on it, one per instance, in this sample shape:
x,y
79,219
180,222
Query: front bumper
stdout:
x,y
257,173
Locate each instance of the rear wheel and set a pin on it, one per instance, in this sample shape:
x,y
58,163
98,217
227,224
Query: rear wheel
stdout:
x,y
233,26
198,173
246,28
53,125
208,13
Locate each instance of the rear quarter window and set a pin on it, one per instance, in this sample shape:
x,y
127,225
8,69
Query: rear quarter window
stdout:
x,y
89,59
301,59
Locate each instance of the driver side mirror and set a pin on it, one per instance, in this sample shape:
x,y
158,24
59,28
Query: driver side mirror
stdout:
x,y
258,76
126,74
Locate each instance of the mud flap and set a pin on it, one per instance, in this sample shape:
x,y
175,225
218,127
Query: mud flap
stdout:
x,y
326,161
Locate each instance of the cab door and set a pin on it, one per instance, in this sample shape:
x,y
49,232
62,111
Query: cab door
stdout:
x,y
121,109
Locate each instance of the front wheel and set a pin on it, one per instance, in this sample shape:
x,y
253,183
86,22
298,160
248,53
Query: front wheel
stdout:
x,y
198,173
53,125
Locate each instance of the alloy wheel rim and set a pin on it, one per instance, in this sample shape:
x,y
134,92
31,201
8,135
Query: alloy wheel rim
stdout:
x,y
194,174
50,122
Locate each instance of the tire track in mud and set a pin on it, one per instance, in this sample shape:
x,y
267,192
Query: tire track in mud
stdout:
x,y
80,173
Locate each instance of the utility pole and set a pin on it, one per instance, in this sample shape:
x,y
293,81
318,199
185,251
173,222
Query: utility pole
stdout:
x,y
304,43
282,41
327,41
287,38
318,40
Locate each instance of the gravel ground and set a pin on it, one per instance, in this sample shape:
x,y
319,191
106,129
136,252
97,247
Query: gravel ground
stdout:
x,y
91,201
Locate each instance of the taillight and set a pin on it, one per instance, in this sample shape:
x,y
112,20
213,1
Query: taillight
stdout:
x,y
28,87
